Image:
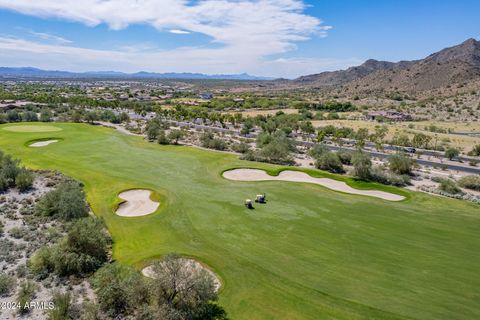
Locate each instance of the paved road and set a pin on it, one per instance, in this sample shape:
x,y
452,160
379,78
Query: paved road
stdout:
x,y
382,155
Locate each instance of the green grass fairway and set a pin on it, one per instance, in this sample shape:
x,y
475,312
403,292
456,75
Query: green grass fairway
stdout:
x,y
32,128
310,253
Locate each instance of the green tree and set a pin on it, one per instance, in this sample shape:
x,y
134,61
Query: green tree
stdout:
x,y
329,161
452,153
175,135
153,129
361,137
362,165
421,140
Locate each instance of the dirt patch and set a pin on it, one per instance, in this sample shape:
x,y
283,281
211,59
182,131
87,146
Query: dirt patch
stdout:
x,y
189,264
137,203
296,176
40,144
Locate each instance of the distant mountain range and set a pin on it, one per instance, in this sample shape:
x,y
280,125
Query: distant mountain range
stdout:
x,y
29,72
456,65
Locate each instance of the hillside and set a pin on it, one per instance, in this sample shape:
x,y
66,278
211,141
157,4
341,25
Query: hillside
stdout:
x,y
449,67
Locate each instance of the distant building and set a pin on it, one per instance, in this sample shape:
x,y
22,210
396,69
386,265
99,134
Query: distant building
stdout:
x,y
389,116
12,104
206,96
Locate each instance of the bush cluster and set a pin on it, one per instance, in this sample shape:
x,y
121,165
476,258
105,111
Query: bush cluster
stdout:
x,y
66,201
470,182
14,175
83,250
175,292
208,140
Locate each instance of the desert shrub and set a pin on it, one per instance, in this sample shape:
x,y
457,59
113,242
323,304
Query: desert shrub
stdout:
x,y
42,262
83,250
193,299
208,140
17,232
275,152
63,306
66,202
3,183
25,295
275,148
241,147
470,182
329,161
24,180
162,138
448,186
119,289
400,164
362,165
380,175
318,150
7,284
9,169
345,157
475,151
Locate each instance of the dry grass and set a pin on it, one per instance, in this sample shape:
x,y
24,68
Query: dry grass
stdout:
x,y
464,143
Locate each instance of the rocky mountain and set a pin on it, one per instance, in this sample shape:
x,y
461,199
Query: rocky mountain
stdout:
x,y
456,65
29,72
353,73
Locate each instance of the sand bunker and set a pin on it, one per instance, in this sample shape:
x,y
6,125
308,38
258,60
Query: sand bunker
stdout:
x,y
189,264
296,176
137,203
42,143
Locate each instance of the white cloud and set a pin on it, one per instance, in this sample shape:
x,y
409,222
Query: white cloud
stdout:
x,y
247,31
178,31
20,52
50,37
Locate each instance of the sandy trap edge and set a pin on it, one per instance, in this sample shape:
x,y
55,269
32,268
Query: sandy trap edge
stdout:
x,y
297,176
190,264
45,143
137,203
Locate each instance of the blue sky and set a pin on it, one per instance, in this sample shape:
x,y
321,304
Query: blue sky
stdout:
x,y
280,38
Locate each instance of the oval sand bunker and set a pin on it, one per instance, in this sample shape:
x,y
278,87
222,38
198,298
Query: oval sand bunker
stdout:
x,y
137,203
40,144
188,264
297,176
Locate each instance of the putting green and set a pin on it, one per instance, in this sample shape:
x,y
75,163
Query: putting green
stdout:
x,y
31,128
309,253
